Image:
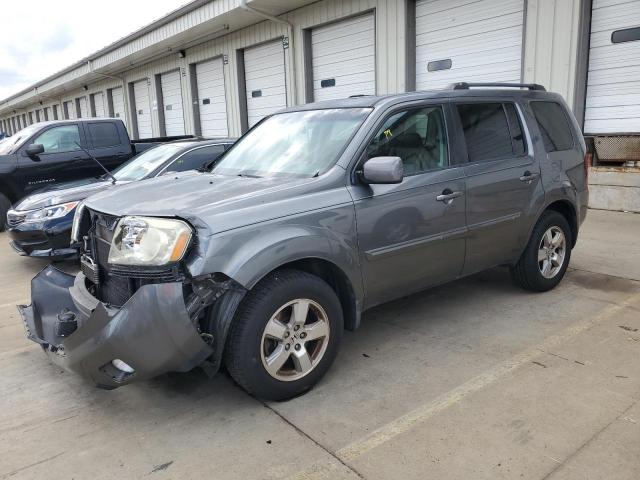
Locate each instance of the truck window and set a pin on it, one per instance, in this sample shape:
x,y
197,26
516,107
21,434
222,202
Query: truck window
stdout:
x,y
103,134
486,131
196,159
417,136
59,139
553,126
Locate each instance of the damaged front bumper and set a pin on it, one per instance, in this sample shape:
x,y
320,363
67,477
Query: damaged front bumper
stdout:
x,y
152,333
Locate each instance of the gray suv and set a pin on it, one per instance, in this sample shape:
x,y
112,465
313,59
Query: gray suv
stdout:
x,y
317,214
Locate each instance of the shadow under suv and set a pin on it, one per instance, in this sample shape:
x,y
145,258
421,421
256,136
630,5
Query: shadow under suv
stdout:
x,y
318,213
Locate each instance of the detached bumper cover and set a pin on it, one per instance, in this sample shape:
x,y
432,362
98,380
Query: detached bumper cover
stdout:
x,y
152,332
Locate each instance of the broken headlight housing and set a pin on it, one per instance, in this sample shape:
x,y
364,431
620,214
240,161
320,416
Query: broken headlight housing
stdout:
x,y
148,241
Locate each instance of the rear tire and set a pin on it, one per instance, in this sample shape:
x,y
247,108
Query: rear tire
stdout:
x,y
5,205
285,335
546,258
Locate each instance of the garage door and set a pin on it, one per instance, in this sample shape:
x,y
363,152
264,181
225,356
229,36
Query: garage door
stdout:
x,y
84,107
172,103
69,110
344,58
265,80
142,108
613,84
212,103
459,41
98,104
117,98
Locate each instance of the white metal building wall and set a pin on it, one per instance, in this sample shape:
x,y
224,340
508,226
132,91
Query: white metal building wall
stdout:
x,y
613,82
142,104
481,39
117,97
211,98
264,71
344,58
172,103
98,104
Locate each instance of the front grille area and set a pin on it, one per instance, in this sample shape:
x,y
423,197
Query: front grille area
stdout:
x,y
14,218
118,283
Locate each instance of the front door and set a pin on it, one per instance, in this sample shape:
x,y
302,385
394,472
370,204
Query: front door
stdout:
x,y
411,234
503,182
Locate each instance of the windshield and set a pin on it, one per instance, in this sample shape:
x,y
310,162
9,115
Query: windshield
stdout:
x,y
142,165
8,145
299,144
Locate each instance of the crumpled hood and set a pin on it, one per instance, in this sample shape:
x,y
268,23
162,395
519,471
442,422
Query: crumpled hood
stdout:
x,y
63,193
192,194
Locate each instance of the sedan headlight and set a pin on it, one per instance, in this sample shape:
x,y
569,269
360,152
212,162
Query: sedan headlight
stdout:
x,y
147,241
49,213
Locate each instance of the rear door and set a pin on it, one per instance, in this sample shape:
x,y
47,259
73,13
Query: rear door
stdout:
x,y
106,143
503,181
411,236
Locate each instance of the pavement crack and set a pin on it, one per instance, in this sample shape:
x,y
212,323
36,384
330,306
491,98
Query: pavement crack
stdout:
x,y
34,464
315,442
587,442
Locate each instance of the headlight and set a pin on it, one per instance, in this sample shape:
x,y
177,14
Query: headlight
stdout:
x,y
75,226
146,241
49,213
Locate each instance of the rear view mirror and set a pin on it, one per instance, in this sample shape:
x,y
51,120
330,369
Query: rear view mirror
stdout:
x,y
383,170
34,150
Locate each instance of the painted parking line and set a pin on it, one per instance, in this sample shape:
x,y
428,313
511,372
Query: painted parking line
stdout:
x,y
428,410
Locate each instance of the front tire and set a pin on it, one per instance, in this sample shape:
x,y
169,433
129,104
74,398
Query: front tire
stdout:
x,y
546,258
285,335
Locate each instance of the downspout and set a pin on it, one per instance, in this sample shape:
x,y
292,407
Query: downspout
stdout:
x,y
294,80
125,93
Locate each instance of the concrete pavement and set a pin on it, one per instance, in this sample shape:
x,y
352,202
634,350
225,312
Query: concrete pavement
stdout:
x,y
475,379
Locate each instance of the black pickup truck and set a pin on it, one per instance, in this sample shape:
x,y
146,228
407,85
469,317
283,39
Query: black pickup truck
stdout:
x,y
47,152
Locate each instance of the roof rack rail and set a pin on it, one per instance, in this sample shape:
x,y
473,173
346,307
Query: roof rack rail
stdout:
x,y
467,86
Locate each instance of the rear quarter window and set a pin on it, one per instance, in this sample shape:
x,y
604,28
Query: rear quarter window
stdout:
x,y
553,125
103,134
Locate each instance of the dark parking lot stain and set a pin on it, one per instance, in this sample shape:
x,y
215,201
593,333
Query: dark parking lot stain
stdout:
x,y
602,282
628,329
159,468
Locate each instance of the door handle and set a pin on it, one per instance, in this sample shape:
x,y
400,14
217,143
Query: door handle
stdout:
x,y
529,177
447,196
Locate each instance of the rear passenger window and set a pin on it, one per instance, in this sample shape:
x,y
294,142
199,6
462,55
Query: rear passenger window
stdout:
x,y
553,125
487,133
103,134
417,136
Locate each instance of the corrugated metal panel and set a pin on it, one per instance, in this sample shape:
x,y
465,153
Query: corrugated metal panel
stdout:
x,y
613,85
344,58
265,80
482,40
212,103
143,108
172,103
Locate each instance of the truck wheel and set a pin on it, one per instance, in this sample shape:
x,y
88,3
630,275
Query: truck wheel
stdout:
x,y
5,205
285,335
546,258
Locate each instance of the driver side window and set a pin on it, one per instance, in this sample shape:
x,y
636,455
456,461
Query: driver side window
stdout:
x,y
59,139
417,136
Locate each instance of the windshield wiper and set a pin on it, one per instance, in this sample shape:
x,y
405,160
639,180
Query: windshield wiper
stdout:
x,y
107,173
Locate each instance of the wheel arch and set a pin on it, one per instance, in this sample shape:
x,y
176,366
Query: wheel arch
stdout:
x,y
567,210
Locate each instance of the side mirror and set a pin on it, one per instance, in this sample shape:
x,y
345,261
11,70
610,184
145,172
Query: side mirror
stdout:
x,y
34,150
383,170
